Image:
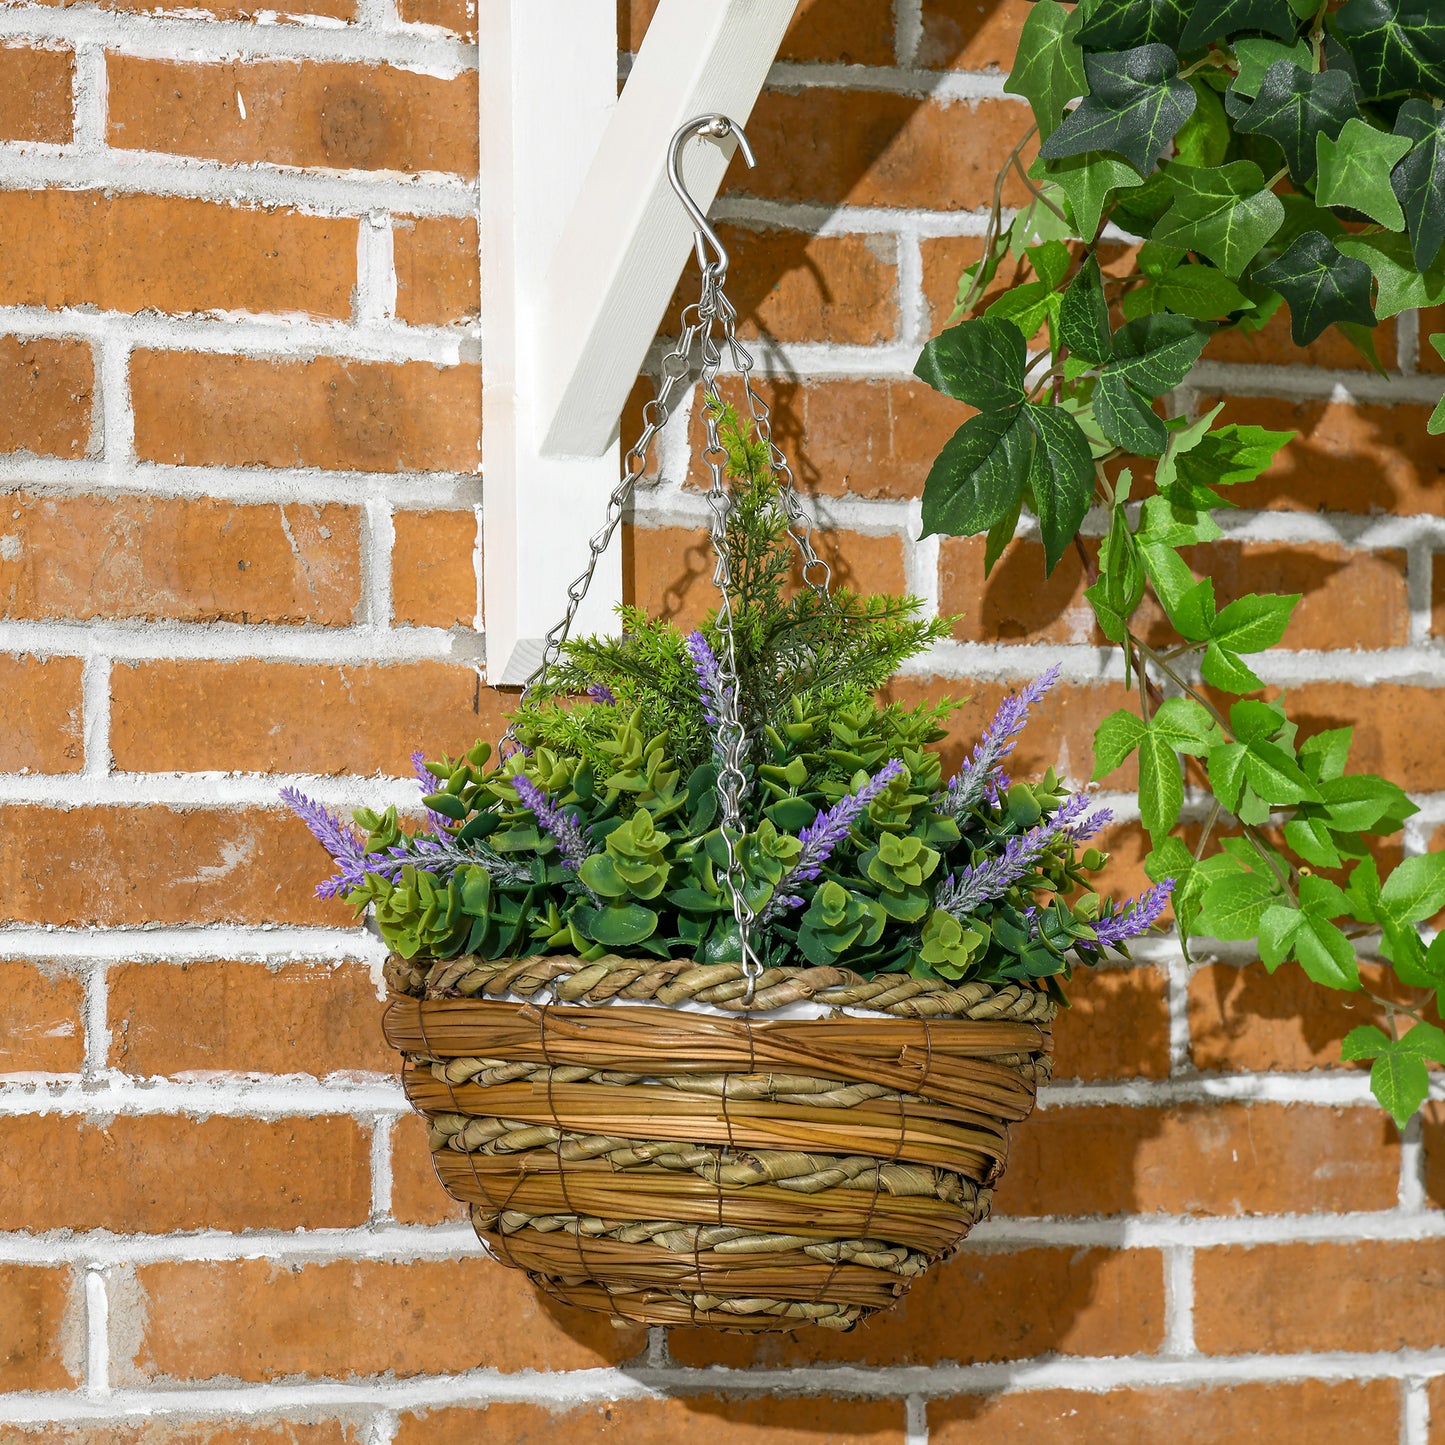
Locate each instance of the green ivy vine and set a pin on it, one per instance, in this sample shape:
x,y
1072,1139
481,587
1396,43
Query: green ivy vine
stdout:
x,y
1241,155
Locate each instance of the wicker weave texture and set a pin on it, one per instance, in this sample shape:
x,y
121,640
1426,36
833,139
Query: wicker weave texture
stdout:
x,y
680,1167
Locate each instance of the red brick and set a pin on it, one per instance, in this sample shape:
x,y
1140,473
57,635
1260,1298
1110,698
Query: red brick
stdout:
x,y
1229,1159
874,148
1395,728
1273,345
1290,1298
163,865
1015,602
667,571
438,275
1432,1137
141,253
681,1420
34,1304
49,391
1436,1396
72,558
1284,1414
458,16
838,32
41,716
847,438
201,410
155,1173
43,1030
35,94
1347,457
794,286
433,569
1116,1025
297,113
971,34
295,717
417,1196
258,1320
1244,1019
978,1306
246,1018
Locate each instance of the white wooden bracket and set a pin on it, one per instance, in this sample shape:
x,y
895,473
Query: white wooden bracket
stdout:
x,y
582,244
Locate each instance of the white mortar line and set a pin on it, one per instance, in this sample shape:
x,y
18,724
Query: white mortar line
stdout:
x,y
915,1420
1407,344
206,790
820,219
97,1021
300,37
375,270
95,713
112,365
485,1386
946,87
378,538
382,1128
1420,584
383,1428
91,89
97,1332
1241,379
1179,1300
228,942
1412,1169
284,1097
238,334
1181,1062
429,193
907,30
1415,1412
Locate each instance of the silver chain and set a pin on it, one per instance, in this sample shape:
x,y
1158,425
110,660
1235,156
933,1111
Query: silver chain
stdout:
x,y
713,313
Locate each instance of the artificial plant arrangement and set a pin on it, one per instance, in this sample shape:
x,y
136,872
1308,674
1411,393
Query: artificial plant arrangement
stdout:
x,y
1199,166
598,833
695,1166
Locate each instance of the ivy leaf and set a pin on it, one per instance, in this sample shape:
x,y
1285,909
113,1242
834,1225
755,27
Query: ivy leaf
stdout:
x,y
1061,478
1225,213
1368,1041
1275,776
1400,284
1312,840
1224,669
1048,65
1027,306
1088,181
1394,48
1355,171
1293,107
1232,907
1203,292
1419,179
1254,58
1321,284
1213,19
1135,107
980,362
1325,754
1325,954
1154,353
1415,890
979,475
1119,24
1161,783
1084,316
1114,739
1115,597
1127,419
1278,925
1359,803
1254,622
1186,726
1224,457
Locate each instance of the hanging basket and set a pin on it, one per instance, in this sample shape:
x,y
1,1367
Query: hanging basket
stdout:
x,y
801,1163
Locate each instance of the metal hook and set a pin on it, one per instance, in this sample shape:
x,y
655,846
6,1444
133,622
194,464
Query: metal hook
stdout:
x,y
717,126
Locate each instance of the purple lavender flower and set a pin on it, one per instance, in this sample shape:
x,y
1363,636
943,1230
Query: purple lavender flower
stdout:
x,y
334,834
979,777
1136,916
709,677
443,857
600,692
971,887
823,835
429,784
572,845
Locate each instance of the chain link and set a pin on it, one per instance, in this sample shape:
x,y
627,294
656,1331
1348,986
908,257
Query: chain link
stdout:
x,y
714,313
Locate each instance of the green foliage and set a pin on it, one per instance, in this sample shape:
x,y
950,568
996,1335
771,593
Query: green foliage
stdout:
x,y
1268,153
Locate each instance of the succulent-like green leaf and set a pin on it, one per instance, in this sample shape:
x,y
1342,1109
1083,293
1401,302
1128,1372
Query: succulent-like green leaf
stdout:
x,y
1321,284
1135,107
1294,107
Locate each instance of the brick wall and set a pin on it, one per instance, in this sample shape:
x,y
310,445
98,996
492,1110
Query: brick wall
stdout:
x,y
239,441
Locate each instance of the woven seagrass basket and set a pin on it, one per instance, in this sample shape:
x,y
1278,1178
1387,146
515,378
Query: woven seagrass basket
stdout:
x,y
674,1165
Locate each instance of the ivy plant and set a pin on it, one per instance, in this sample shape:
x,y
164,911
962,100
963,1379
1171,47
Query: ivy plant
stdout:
x,y
1199,167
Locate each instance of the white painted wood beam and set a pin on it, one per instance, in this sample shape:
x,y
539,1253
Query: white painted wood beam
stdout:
x,y
582,244
617,263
